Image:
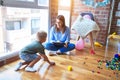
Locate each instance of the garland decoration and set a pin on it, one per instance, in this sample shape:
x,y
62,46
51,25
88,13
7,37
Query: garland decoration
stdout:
x,y
92,3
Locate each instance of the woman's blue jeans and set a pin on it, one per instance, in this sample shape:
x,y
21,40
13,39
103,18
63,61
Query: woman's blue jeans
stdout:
x,y
53,47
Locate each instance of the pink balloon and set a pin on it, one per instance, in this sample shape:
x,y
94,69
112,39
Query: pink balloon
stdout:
x,y
87,16
80,44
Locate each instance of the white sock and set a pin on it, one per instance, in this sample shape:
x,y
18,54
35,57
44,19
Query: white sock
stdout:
x,y
58,51
68,52
54,52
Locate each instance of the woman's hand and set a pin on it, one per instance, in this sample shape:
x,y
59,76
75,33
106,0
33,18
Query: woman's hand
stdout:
x,y
66,44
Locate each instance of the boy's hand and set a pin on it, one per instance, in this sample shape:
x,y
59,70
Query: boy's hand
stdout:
x,y
46,59
52,63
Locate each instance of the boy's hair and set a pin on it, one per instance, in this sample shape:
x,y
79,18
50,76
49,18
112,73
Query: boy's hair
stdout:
x,y
41,34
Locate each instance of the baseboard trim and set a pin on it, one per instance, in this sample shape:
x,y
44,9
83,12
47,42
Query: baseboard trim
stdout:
x,y
9,57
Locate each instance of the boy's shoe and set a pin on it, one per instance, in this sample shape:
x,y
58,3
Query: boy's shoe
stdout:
x,y
52,53
18,66
30,69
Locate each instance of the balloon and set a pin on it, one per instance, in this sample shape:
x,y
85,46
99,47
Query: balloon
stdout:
x,y
87,16
80,44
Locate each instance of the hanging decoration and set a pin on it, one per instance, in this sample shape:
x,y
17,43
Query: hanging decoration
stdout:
x,y
94,4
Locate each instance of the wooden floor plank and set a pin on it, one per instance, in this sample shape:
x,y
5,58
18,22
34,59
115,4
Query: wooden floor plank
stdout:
x,y
85,67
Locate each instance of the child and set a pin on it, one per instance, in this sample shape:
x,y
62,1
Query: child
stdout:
x,y
29,53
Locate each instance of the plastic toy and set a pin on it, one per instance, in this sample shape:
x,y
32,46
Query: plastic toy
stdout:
x,y
92,51
70,68
97,44
114,33
99,64
114,64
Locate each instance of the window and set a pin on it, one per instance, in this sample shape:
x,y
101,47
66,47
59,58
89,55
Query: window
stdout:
x,y
19,23
35,25
64,8
43,2
65,3
13,25
26,0
118,22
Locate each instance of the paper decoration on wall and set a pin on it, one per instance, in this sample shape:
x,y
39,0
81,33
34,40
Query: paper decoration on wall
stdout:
x,y
117,13
118,22
119,6
94,4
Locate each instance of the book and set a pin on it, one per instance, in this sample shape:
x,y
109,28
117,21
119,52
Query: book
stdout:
x,y
59,43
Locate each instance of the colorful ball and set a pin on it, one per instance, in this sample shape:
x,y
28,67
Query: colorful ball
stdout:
x,y
116,56
69,68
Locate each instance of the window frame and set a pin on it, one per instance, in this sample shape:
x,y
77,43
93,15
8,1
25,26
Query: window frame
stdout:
x,y
27,4
66,8
13,22
24,4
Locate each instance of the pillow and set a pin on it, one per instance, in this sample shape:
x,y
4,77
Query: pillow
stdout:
x,y
84,26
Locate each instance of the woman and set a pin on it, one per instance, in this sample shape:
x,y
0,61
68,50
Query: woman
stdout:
x,y
59,40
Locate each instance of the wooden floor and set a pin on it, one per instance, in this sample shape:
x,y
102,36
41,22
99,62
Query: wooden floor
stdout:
x,y
84,65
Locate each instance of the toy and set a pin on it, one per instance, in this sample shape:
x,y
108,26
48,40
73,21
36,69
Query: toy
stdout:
x,y
92,51
114,33
97,44
80,44
114,64
99,64
70,68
